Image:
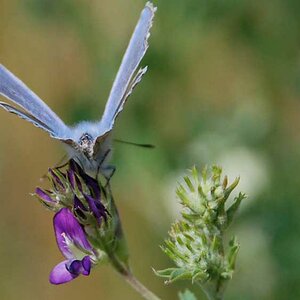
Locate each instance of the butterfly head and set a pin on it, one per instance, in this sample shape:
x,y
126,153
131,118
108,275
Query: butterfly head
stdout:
x,y
86,144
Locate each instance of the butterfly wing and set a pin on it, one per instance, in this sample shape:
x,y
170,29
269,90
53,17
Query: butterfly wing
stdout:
x,y
127,77
35,110
25,116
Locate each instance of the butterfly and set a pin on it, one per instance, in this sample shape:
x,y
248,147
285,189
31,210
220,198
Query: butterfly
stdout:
x,y
89,143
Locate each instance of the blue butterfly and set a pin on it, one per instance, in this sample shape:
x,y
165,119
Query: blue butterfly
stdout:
x,y
87,142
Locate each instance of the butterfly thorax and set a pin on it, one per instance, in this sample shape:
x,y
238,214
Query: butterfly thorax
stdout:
x,y
86,145
91,152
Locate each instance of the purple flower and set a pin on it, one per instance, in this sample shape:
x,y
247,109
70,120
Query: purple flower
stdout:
x,y
71,178
77,191
73,244
44,195
56,180
90,182
97,208
93,200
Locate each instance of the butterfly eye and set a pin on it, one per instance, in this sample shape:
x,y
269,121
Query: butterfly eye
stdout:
x,y
85,139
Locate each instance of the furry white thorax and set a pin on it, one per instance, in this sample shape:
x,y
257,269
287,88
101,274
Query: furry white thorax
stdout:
x,y
92,150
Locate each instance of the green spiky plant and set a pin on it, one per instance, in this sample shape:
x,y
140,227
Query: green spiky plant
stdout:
x,y
196,242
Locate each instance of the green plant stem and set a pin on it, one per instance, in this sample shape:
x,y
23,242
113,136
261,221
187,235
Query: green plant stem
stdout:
x,y
133,281
140,288
213,290
121,266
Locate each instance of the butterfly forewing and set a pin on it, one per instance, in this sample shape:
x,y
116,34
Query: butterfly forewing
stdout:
x,y
36,110
25,116
126,80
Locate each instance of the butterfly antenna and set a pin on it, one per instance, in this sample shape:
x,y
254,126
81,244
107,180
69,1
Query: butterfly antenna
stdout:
x,y
100,164
149,146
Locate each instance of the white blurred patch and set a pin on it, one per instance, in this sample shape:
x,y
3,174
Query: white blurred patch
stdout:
x,y
250,166
171,201
256,271
225,147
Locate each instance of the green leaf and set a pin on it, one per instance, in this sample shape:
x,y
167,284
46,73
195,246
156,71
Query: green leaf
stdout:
x,y
179,274
199,275
234,207
231,187
204,173
217,171
195,174
187,295
233,251
225,182
166,273
181,193
189,183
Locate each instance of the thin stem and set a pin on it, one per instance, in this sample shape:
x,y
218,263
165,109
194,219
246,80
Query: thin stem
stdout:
x,y
121,266
213,290
133,281
140,288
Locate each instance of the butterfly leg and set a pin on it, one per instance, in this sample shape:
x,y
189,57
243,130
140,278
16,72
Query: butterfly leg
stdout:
x,y
108,173
102,170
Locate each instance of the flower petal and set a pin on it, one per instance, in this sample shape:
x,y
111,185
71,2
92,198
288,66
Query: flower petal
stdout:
x,y
43,195
96,207
90,182
77,267
74,166
79,208
60,274
78,204
55,178
67,226
93,186
71,178
86,264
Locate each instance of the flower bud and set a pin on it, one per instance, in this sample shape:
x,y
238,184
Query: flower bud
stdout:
x,y
87,224
195,243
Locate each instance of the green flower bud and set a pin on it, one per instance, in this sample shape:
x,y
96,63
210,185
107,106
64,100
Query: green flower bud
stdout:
x,y
195,243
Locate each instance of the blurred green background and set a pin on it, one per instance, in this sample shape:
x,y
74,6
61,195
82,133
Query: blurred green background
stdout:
x,y
223,87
